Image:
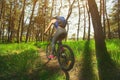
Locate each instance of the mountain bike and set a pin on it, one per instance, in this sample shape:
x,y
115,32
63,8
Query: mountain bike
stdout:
x,y
63,53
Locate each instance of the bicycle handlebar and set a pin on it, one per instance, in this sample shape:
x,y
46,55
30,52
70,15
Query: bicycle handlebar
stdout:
x,y
45,34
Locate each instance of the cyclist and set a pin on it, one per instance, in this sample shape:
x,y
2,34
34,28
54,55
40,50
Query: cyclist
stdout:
x,y
59,23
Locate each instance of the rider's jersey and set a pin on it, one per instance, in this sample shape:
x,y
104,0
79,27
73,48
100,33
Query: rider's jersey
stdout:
x,y
60,22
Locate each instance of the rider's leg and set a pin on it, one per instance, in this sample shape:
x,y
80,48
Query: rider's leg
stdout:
x,y
58,34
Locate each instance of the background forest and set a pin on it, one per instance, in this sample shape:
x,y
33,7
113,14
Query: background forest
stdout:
x,y
25,20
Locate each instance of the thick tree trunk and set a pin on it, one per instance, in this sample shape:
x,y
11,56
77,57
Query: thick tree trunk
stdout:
x,y
107,69
99,37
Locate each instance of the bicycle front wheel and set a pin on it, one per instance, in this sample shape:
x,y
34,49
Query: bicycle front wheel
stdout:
x,y
66,58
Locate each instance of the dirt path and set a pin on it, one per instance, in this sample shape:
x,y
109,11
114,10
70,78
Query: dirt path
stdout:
x,y
50,63
54,64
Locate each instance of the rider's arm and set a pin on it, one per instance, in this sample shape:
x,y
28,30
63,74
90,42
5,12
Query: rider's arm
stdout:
x,y
52,21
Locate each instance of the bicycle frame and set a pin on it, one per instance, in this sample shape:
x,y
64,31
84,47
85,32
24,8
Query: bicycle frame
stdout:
x,y
66,62
59,43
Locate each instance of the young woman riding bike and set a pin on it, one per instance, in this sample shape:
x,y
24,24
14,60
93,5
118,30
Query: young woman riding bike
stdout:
x,y
59,23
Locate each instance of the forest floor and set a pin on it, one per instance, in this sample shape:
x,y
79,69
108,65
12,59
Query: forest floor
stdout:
x,y
53,65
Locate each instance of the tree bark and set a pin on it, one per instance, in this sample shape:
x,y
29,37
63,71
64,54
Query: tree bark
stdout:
x,y
99,37
84,32
70,9
104,26
69,13
28,29
108,23
53,1
119,19
107,68
10,21
22,20
78,20
89,21
2,20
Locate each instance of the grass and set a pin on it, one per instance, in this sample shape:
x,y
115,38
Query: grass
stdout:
x,y
18,60
113,47
78,47
6,49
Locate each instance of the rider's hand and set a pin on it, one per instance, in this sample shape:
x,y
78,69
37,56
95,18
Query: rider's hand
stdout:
x,y
45,33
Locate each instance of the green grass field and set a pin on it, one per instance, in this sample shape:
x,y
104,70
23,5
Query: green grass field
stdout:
x,y
18,61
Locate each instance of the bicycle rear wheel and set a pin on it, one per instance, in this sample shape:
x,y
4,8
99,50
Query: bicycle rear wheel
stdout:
x,y
66,58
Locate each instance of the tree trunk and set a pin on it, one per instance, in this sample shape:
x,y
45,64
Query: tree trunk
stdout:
x,y
84,33
104,26
52,8
89,26
78,20
2,20
108,23
9,25
69,13
107,68
12,30
119,19
102,16
22,20
13,20
28,29
99,37
70,9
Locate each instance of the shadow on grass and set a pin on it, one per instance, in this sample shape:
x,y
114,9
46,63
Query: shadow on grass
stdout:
x,y
86,69
45,73
16,66
107,68
27,66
